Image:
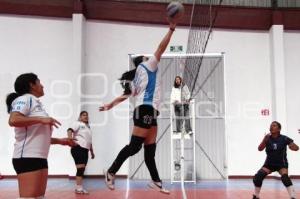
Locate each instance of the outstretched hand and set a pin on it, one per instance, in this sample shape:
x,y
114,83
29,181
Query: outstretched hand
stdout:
x,y
68,142
51,121
105,107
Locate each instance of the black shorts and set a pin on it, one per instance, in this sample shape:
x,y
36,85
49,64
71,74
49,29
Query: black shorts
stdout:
x,y
145,116
274,168
80,154
23,165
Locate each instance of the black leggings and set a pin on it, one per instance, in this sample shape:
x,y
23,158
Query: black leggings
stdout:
x,y
134,147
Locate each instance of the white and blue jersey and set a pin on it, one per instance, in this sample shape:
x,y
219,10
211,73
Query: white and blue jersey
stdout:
x,y
146,84
31,141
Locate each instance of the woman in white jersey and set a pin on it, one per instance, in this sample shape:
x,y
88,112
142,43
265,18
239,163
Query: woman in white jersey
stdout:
x,y
33,130
143,84
81,132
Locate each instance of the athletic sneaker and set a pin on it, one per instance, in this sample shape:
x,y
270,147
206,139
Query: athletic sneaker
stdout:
x,y
109,180
81,191
254,197
158,187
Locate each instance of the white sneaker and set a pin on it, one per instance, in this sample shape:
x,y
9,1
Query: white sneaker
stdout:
x,y
158,187
109,180
81,191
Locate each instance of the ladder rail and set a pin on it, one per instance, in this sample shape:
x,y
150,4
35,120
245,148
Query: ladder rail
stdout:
x,y
181,138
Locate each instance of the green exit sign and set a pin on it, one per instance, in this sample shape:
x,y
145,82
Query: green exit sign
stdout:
x,y
176,48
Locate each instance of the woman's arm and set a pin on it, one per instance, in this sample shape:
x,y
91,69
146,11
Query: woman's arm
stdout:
x,y
17,119
165,41
115,102
293,146
63,141
187,92
263,143
172,97
92,152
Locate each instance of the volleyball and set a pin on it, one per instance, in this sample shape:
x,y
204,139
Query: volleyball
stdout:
x,y
175,10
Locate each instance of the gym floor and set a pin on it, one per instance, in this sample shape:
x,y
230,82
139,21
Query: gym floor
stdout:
x,y
134,189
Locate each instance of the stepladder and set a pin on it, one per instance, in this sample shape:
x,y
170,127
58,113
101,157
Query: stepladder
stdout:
x,y
183,134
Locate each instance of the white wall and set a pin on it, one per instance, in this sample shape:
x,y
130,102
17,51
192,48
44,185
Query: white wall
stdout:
x,y
44,46
292,61
247,91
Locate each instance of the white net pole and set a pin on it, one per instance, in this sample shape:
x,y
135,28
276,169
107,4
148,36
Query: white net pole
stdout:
x,y
171,145
182,165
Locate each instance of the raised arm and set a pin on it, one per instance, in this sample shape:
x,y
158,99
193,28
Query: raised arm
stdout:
x,y
115,102
164,43
263,143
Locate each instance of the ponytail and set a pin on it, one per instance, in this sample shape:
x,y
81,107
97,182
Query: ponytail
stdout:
x,y
22,86
126,78
9,99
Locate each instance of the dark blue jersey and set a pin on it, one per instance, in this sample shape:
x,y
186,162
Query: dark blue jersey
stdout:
x,y
276,150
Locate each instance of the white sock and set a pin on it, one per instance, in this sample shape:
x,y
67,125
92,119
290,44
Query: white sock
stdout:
x,y
291,191
79,187
257,191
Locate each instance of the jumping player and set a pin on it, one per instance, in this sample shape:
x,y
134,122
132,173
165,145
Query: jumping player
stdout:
x,y
143,83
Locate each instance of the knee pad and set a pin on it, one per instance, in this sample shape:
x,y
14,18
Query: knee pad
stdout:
x,y
80,172
135,145
259,177
286,180
149,151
